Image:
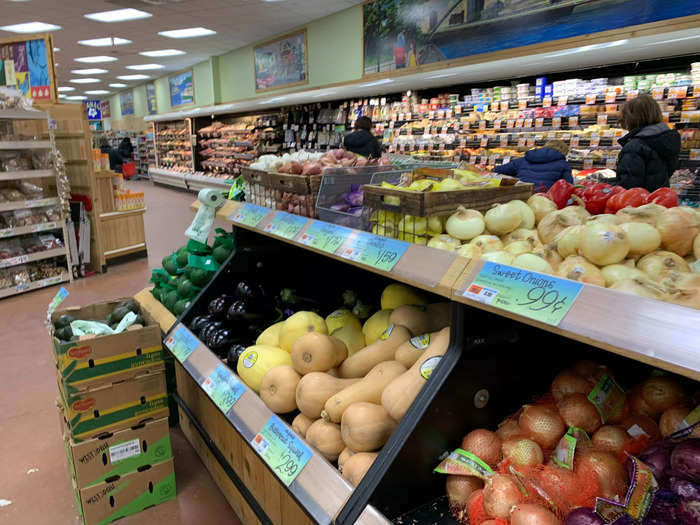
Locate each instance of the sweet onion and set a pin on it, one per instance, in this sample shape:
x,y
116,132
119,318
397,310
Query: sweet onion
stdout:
x,y
613,273
689,297
523,234
487,243
612,475
501,493
579,269
610,438
529,261
470,250
678,228
503,218
526,213
661,393
577,411
444,242
522,452
643,237
583,516
604,243
484,444
577,213
516,248
459,488
569,240
648,213
549,253
640,287
500,257
542,424
465,224
660,261
541,206
605,217
673,280
413,225
553,224
533,514
435,225
569,382
639,406
696,246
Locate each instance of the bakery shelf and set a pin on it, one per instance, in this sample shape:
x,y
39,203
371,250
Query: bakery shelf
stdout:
x,y
34,203
34,228
31,257
34,285
28,174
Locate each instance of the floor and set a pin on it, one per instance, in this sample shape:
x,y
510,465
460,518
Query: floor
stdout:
x,y
35,479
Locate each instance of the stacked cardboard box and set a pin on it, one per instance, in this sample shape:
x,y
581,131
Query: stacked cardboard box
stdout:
x,y
113,407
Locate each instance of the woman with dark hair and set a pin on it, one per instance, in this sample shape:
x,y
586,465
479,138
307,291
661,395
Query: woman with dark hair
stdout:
x,y
650,150
126,149
115,159
362,141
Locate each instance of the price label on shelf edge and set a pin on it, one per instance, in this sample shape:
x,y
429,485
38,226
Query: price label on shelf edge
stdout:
x,y
378,252
281,449
249,214
573,122
544,298
181,342
223,387
556,122
285,225
324,236
547,102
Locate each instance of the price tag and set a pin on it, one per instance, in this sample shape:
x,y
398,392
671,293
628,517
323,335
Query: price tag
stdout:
x,y
610,162
574,141
562,101
381,253
531,142
510,124
591,99
522,104
496,124
547,102
534,295
402,116
249,214
657,93
610,97
482,124
539,122
505,105
281,449
556,122
285,225
324,236
587,163
409,116
506,159
573,122
223,387
602,119
632,94
7,232
678,92
38,203
484,142
181,343
595,140
492,159
521,142
694,154
527,123
13,261
431,115
503,140
519,123
458,110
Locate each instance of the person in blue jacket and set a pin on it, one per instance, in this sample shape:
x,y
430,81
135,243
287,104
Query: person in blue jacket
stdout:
x,y
541,166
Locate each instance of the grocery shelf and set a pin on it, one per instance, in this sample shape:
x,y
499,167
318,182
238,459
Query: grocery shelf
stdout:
x,y
25,144
31,257
34,285
122,212
167,177
27,174
24,230
198,182
34,203
18,114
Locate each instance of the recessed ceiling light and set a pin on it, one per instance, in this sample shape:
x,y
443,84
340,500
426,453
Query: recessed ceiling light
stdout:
x,y
92,71
97,92
118,85
96,59
133,77
84,80
30,27
76,97
118,15
56,49
104,42
190,32
61,96
62,89
145,67
162,53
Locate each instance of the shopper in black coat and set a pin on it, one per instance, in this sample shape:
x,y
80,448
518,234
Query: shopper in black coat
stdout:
x,y
650,150
362,141
126,149
115,159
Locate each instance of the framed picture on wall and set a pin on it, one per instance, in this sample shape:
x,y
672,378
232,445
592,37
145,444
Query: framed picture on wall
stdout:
x,y
151,103
28,67
126,102
282,62
181,89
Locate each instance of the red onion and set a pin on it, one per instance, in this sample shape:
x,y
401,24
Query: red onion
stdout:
x,y
685,460
583,516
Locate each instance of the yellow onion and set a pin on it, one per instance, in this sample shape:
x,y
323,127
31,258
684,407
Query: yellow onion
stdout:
x,y
487,243
465,224
522,452
516,248
508,429
569,382
484,444
672,280
577,411
526,213
532,262
470,250
610,438
640,287
532,514
522,234
413,225
672,420
655,263
686,297
604,217
549,253
643,237
554,223
613,273
569,240
541,206
501,493
642,422
648,213
459,488
604,243
661,393
696,246
444,242
435,225
611,474
678,228
578,213
503,218
500,257
542,424
579,269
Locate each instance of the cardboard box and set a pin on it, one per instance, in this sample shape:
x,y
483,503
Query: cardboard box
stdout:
x,y
117,453
115,406
129,494
106,359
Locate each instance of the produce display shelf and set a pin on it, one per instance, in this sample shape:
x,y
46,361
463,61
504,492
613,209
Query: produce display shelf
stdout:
x,y
25,144
24,230
34,285
28,174
31,257
198,182
35,203
18,114
167,177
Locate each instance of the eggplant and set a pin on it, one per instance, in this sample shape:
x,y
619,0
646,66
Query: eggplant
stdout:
x,y
250,291
242,311
208,329
199,321
349,298
234,353
217,307
291,299
219,340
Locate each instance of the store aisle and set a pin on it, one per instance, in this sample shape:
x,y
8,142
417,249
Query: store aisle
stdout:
x,y
34,471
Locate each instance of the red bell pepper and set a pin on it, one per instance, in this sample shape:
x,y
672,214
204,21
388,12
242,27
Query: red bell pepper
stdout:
x,y
634,197
596,197
613,204
560,192
665,197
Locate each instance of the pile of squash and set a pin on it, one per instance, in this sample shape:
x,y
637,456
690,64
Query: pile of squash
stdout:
x,y
351,383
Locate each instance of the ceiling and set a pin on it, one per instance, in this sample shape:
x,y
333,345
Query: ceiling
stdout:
x,y
237,22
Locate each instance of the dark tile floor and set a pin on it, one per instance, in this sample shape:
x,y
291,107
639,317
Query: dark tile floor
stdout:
x,y
33,472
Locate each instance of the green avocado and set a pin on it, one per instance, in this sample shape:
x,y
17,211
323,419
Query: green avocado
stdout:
x,y
170,299
130,305
181,306
64,333
169,265
139,320
181,258
156,292
186,289
200,277
221,253
117,314
63,320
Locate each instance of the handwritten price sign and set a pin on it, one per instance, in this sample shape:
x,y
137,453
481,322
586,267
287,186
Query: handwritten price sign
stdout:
x,y
378,252
282,450
223,388
181,343
324,236
285,225
249,214
534,295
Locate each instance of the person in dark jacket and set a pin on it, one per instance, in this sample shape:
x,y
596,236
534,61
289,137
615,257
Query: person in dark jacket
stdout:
x,y
650,150
126,149
115,159
362,141
540,166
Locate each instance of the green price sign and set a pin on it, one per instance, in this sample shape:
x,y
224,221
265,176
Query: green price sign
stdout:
x,y
281,449
324,236
285,225
181,343
375,251
249,214
223,387
538,296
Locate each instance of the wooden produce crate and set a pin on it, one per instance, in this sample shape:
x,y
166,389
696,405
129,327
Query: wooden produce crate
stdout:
x,y
259,190
283,191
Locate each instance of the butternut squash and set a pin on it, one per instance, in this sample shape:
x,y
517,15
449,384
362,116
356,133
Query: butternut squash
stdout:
x,y
346,454
412,317
383,349
365,427
439,315
315,388
326,438
409,352
278,389
314,352
369,389
402,391
356,466
301,424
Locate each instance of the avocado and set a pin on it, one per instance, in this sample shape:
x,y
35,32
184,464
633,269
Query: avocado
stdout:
x,y
181,258
64,333
200,277
130,305
169,265
186,289
139,320
170,299
63,320
221,253
117,315
181,306
156,292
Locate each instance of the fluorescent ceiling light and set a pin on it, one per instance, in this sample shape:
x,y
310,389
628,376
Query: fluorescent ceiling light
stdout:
x,y
118,85
76,97
118,15
61,96
97,92
190,32
133,77
162,53
145,67
96,59
62,89
104,42
56,49
92,71
84,80
30,27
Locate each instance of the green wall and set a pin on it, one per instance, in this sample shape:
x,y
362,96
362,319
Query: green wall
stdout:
x,y
334,55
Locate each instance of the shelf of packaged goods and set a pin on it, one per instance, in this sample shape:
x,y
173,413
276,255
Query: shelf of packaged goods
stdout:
x,y
167,177
660,334
34,285
34,203
34,228
28,174
18,114
31,257
25,144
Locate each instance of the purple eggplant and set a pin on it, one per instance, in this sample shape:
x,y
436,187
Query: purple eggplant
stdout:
x,y
217,307
354,198
209,328
198,322
234,353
